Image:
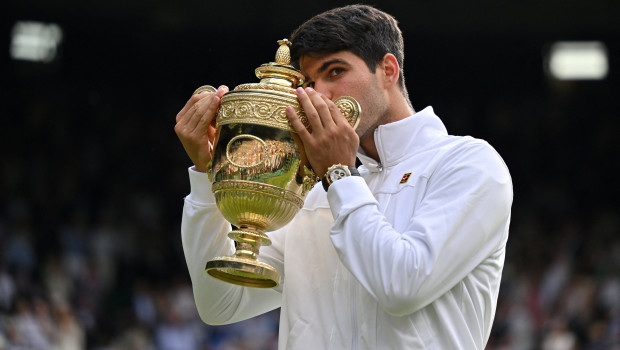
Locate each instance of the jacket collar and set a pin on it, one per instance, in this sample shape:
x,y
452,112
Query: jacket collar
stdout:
x,y
398,140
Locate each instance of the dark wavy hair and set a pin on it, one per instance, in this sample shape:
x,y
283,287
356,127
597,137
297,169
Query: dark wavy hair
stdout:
x,y
363,30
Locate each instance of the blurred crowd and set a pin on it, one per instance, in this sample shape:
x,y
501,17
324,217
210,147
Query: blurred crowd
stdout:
x,y
91,196
561,286
74,298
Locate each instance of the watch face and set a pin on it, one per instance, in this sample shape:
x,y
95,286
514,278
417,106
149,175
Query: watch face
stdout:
x,y
337,173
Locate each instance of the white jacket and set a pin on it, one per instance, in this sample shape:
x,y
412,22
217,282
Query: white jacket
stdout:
x,y
378,262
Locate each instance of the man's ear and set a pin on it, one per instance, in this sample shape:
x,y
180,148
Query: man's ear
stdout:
x,y
391,69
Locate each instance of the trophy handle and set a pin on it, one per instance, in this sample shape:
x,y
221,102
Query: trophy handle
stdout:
x,y
204,88
350,108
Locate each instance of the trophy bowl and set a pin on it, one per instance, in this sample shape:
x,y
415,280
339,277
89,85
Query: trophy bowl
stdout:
x,y
259,171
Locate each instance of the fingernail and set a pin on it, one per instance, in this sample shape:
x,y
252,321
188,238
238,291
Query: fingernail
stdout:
x,y
309,89
300,90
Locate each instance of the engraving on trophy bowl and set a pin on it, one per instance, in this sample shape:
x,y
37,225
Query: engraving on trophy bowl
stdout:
x,y
257,153
246,151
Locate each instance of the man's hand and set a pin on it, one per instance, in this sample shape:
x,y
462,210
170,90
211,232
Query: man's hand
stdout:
x,y
195,126
332,140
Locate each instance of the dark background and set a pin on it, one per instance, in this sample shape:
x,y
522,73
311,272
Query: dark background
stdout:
x,y
93,176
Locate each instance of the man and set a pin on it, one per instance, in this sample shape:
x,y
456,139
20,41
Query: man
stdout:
x,y
406,255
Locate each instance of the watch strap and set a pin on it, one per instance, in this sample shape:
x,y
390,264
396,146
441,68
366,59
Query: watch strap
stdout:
x,y
325,183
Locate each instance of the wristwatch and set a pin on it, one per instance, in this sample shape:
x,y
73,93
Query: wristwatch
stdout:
x,y
337,172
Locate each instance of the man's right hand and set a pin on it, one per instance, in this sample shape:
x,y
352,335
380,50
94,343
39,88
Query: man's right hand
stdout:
x,y
195,126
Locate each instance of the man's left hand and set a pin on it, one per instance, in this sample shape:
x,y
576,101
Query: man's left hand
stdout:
x,y
332,140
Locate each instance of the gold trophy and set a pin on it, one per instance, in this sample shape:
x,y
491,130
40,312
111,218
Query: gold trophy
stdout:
x,y
259,170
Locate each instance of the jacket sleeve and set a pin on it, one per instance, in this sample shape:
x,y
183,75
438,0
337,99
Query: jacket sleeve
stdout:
x,y
204,236
461,220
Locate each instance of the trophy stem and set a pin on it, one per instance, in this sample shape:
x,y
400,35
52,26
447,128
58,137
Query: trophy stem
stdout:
x,y
243,268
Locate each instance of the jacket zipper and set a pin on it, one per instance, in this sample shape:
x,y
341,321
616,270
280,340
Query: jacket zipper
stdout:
x,y
379,149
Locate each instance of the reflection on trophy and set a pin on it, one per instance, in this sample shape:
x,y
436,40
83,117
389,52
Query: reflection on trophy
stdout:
x,y
259,169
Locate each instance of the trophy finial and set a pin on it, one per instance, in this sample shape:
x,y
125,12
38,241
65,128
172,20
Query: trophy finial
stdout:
x,y
283,55
280,72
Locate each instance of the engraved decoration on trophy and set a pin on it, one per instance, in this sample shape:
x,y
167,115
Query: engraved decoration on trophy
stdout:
x,y
259,170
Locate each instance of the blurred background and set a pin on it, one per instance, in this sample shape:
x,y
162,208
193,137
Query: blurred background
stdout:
x,y
93,177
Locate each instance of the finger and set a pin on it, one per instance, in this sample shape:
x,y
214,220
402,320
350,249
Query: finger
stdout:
x,y
322,108
221,90
296,123
337,117
182,115
205,111
190,118
311,113
204,114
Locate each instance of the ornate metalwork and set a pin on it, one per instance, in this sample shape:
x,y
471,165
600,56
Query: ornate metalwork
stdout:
x,y
259,178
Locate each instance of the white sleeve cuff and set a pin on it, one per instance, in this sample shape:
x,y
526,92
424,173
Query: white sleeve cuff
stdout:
x,y
348,194
200,187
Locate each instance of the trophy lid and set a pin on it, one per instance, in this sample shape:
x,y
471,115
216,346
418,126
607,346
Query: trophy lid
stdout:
x,y
280,72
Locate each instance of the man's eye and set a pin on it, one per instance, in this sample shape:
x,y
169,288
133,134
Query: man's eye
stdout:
x,y
336,71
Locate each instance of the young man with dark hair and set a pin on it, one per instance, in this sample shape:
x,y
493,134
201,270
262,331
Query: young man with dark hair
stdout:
x,y
408,253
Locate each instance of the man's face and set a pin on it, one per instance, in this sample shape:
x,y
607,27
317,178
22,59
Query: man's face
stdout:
x,y
345,74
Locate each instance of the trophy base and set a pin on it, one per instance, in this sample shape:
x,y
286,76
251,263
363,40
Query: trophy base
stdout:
x,y
243,271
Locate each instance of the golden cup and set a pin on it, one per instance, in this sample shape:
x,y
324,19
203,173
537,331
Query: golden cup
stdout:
x,y
259,169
